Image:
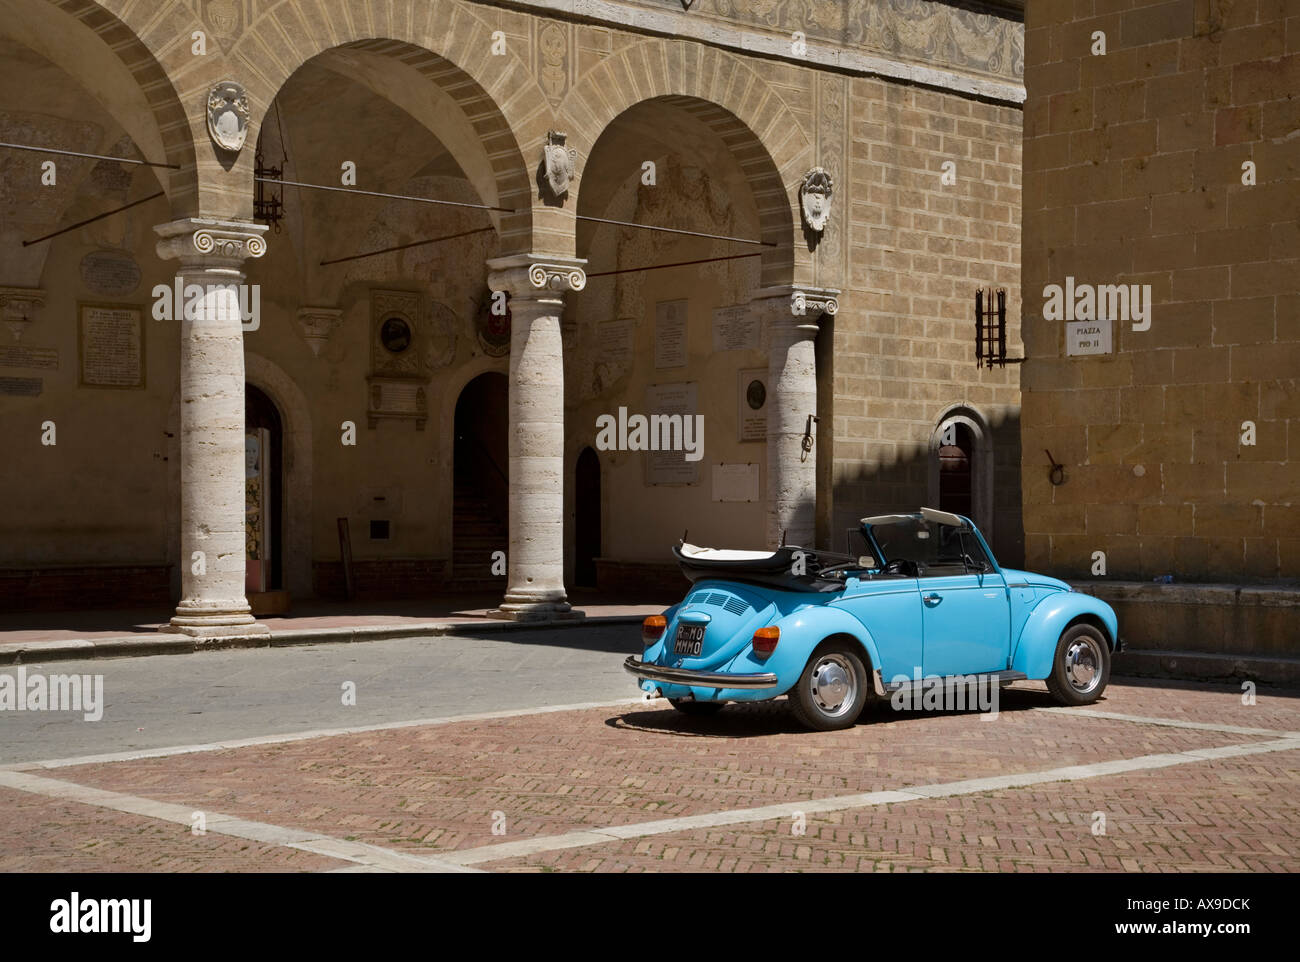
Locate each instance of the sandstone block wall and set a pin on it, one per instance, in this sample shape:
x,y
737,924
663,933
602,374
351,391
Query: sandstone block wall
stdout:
x,y
1133,174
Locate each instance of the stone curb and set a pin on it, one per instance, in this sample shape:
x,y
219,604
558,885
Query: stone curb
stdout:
x,y
163,643
1207,666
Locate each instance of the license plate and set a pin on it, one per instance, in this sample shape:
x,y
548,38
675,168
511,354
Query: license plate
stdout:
x,y
689,641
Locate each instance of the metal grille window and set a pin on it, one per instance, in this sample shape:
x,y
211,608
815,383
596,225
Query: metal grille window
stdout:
x,y
991,328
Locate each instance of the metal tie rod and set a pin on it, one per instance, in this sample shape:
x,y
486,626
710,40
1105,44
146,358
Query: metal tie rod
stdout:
x,y
76,153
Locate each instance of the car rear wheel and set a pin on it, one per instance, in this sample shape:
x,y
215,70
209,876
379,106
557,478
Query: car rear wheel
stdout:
x,y
687,707
832,690
1081,667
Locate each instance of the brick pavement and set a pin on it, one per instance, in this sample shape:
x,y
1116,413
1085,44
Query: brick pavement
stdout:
x,y
41,835
436,790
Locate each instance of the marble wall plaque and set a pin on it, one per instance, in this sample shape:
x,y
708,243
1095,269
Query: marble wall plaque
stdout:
x,y
20,386
110,273
735,328
110,345
670,334
671,467
735,482
614,340
29,357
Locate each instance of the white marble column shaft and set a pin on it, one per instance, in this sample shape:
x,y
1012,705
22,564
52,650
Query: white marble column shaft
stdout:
x,y
791,317
535,561
212,560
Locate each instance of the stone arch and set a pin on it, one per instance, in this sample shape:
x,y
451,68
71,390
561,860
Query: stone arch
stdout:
x,y
124,65
297,465
968,415
482,85
761,131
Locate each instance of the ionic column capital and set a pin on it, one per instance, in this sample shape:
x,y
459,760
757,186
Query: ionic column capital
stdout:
x,y
204,243
804,305
536,277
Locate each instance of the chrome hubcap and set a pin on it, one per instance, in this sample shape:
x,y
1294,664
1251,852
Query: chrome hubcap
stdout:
x,y
1083,665
834,687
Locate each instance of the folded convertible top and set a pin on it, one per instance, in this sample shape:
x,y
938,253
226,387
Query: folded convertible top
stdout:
x,y
769,568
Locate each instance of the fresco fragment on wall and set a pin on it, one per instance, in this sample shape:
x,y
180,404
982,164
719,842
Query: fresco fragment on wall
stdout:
x,y
921,31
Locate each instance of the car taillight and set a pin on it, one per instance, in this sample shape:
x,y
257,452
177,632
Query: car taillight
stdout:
x,y
765,640
652,629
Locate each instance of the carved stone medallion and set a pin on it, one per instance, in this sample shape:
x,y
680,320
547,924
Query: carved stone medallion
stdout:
x,y
228,115
815,199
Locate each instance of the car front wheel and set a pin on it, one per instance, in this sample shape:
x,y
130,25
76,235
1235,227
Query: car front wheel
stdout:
x,y
830,693
1081,667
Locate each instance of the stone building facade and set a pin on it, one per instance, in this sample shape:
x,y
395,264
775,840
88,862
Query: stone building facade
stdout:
x,y
380,426
1162,150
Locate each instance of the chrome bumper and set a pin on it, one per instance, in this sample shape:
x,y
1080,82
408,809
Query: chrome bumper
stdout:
x,y
697,679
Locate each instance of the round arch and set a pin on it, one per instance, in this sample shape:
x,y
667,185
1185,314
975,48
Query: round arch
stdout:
x,y
759,129
967,415
296,460
416,38
120,67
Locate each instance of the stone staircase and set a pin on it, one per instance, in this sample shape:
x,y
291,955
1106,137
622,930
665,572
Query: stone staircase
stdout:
x,y
477,531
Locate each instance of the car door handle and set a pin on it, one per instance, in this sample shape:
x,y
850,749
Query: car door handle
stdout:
x,y
932,600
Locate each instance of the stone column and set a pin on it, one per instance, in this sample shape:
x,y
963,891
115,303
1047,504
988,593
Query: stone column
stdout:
x,y
790,317
211,255
535,563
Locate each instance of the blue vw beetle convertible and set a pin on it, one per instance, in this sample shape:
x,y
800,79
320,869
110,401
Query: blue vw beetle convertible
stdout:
x,y
925,598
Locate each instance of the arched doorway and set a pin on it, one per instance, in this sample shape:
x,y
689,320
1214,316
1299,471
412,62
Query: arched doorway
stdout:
x,y
961,466
263,492
955,451
481,484
586,520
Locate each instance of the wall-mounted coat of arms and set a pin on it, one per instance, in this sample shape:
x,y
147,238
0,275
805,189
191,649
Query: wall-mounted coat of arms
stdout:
x,y
559,164
815,199
228,115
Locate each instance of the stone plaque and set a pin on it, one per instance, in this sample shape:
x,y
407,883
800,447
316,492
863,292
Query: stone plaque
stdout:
x,y
20,386
614,340
1087,337
671,467
31,357
735,328
751,421
397,398
670,334
735,482
110,273
110,345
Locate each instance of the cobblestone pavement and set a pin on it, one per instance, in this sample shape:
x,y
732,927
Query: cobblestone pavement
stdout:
x,y
1154,778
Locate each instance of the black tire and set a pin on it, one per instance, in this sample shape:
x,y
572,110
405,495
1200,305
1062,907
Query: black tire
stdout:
x,y
1080,667
698,708
836,667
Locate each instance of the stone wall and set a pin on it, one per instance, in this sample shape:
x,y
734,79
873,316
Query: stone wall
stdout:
x,y
918,250
1137,170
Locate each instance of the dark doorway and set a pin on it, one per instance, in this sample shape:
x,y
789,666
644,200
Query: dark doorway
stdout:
x,y
586,522
262,421
956,445
481,485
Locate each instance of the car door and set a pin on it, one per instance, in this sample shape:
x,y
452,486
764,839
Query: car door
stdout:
x,y
966,614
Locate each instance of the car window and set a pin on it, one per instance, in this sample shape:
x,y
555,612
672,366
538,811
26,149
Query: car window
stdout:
x,y
935,549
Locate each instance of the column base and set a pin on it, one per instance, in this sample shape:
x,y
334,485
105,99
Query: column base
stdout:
x,y
215,621
536,611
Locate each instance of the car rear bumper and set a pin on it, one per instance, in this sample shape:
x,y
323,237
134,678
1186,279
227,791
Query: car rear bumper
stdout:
x,y
698,679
